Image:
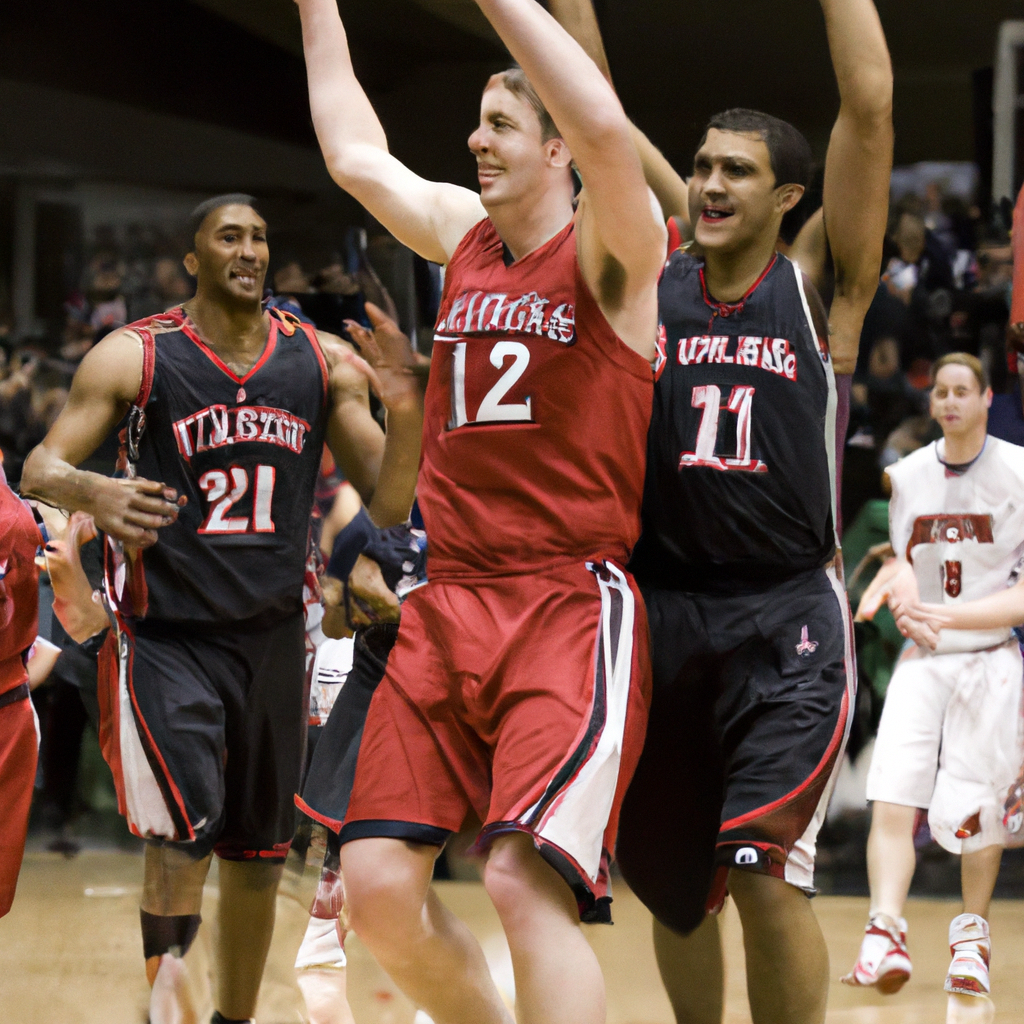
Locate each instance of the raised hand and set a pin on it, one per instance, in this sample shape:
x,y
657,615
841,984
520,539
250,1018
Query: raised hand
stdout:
x,y
398,371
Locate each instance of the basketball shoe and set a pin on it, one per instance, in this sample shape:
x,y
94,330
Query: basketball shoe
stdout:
x,y
971,947
883,961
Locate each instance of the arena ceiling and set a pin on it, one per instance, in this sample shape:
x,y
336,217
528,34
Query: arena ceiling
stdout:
x,y
237,63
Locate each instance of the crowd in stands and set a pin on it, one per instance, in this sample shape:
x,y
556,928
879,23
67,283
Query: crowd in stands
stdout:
x,y
944,286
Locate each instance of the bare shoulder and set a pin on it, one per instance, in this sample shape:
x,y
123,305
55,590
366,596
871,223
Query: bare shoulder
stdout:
x,y
334,348
113,366
346,380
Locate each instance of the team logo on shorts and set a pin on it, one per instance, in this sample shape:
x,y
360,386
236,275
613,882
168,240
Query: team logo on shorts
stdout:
x,y
747,855
807,646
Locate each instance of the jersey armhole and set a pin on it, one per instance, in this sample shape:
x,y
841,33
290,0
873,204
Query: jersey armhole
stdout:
x,y
318,351
148,366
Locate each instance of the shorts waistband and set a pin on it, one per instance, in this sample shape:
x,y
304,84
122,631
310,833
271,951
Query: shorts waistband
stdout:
x,y
22,692
531,570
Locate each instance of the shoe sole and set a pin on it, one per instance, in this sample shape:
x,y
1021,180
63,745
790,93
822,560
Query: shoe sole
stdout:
x,y
965,987
889,984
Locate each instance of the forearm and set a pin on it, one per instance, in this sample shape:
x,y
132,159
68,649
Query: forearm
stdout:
x,y
997,611
575,93
578,18
50,479
396,484
860,58
342,114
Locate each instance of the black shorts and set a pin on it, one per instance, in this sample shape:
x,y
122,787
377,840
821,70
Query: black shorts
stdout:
x,y
204,729
749,717
332,769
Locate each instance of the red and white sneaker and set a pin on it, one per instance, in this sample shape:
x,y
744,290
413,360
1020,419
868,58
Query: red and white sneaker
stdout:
x,y
883,962
971,947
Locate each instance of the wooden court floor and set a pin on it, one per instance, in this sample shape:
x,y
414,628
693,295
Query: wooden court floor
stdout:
x,y
70,953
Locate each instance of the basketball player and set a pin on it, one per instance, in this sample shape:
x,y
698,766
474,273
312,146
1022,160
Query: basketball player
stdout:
x,y
950,735
751,648
537,410
20,537
203,721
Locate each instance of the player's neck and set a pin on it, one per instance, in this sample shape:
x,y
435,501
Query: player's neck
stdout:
x,y
527,224
237,333
961,448
730,275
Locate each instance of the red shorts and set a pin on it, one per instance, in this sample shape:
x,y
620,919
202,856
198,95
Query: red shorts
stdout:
x,y
520,698
19,744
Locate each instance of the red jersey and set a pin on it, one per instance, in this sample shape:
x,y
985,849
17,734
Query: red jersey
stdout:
x,y
536,415
19,585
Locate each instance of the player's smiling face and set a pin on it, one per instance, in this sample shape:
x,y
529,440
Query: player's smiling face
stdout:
x,y
231,253
512,159
733,197
958,403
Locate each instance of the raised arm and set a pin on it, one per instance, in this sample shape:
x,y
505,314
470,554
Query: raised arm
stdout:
x,y
620,237
429,217
857,167
577,17
381,467
102,390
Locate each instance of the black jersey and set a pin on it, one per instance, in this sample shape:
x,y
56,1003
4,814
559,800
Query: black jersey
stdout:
x,y
246,452
741,449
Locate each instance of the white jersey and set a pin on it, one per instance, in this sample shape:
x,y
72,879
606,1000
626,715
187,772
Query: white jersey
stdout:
x,y
962,532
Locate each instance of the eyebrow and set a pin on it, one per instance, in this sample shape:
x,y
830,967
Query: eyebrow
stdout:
x,y
240,227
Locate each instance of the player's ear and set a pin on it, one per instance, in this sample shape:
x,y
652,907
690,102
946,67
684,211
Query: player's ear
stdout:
x,y
988,398
787,196
558,153
191,263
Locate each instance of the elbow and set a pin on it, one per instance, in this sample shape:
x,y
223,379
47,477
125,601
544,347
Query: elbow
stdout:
x,y
31,472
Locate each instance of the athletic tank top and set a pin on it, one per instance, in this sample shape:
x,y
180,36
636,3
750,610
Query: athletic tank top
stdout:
x,y
535,417
245,451
963,532
741,453
19,585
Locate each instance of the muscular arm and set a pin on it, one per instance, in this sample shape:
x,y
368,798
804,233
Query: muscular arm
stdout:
x,y
620,239
427,216
577,17
857,167
103,388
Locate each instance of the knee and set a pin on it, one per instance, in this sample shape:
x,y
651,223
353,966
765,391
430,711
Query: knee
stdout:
x,y
522,885
385,890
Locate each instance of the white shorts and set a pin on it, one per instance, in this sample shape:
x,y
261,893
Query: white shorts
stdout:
x,y
950,740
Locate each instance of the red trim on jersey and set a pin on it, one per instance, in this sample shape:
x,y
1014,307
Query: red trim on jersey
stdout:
x,y
189,330
310,333
837,739
148,365
675,236
728,308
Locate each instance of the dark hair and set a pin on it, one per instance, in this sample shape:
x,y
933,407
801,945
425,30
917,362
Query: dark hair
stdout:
x,y
514,79
204,209
789,151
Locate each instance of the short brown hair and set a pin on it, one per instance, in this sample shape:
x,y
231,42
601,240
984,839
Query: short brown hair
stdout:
x,y
973,363
514,79
788,150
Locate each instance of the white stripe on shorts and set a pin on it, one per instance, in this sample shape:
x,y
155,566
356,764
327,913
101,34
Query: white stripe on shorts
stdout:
x,y
576,818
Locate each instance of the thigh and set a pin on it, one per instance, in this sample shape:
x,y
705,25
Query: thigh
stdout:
x,y
328,784
783,716
415,756
672,809
906,754
564,708
265,729
18,753
171,735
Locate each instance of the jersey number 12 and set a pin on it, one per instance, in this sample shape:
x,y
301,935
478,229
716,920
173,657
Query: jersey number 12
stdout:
x,y
708,397
225,488
492,409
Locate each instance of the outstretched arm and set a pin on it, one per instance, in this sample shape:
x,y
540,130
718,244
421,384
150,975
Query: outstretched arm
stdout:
x,y
427,216
857,168
620,238
577,17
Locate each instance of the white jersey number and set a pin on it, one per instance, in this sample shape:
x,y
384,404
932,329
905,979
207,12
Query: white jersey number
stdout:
x,y
741,401
222,493
491,408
